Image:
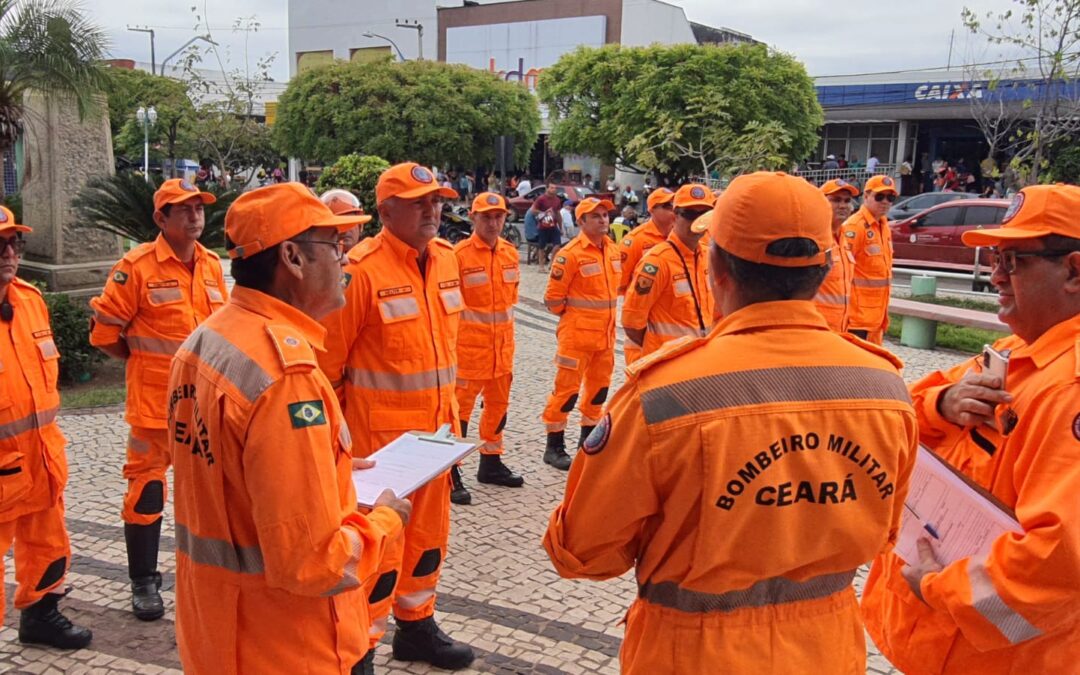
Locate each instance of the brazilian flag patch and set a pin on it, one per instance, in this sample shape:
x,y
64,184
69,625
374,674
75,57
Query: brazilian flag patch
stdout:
x,y
120,277
307,414
649,268
346,279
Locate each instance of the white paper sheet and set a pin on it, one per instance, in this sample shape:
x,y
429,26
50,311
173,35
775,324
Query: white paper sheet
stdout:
x,y
966,522
406,464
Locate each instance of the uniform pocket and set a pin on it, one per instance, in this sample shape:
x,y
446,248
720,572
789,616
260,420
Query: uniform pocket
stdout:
x,y
50,362
475,279
590,269
215,297
400,326
167,310
15,480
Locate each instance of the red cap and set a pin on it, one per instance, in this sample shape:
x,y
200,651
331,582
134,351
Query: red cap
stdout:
x,y
7,221
489,201
409,180
176,190
268,216
1036,211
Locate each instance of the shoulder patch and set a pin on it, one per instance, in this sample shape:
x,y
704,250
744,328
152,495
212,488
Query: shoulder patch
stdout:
x,y
556,273
598,437
667,351
560,260
643,284
120,277
627,240
874,349
292,348
649,268
346,279
850,234
307,414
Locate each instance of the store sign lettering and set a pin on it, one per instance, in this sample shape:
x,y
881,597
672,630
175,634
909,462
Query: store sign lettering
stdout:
x,y
951,91
525,77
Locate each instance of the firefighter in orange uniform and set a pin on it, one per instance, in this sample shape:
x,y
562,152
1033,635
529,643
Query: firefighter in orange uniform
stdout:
x,y
583,290
489,282
1012,609
154,297
868,238
637,243
722,460
345,203
670,295
271,553
833,299
33,466
394,349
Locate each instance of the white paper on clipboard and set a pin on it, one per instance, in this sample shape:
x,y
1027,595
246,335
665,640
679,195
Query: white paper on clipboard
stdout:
x,y
408,463
965,521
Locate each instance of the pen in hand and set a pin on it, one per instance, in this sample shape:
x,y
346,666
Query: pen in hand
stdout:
x,y
926,526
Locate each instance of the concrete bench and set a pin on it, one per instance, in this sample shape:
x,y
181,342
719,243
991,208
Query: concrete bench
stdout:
x,y
921,320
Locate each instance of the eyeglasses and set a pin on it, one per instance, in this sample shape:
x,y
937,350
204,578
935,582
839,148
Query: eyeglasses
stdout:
x,y
1006,260
338,244
17,245
883,196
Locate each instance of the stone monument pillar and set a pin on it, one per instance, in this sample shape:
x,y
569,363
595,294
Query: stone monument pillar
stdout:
x,y
61,153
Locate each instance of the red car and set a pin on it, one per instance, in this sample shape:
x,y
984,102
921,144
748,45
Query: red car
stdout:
x,y
931,239
575,193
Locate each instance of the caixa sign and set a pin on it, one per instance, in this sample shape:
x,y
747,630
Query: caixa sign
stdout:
x,y
949,91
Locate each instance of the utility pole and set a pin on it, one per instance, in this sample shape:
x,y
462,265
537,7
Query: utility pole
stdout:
x,y
419,28
144,29
952,35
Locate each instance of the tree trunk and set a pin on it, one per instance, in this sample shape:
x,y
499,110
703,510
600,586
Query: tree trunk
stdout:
x,y
4,150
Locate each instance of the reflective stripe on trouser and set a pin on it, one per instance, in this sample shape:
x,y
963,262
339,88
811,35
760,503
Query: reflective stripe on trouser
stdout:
x,y
574,368
42,554
496,394
147,460
421,549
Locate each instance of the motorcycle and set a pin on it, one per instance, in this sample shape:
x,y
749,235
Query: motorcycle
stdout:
x,y
455,225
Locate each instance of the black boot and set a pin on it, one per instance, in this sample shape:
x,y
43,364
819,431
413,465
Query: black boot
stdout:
x,y
585,431
494,472
555,454
464,428
42,623
142,549
423,641
366,665
459,494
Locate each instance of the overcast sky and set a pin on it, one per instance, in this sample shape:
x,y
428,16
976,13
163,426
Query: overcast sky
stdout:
x,y
845,38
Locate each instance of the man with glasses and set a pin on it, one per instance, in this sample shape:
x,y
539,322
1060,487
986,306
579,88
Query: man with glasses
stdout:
x,y
154,297
33,465
393,351
867,236
833,299
1012,608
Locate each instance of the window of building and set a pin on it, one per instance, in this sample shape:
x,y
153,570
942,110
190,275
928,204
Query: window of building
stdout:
x,y
860,141
369,54
308,60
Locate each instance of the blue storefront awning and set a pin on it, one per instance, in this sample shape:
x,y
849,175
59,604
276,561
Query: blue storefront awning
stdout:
x,y
857,95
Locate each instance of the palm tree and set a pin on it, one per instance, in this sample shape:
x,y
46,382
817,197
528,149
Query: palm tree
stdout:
x,y
48,47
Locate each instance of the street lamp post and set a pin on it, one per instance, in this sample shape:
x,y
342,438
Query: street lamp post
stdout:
x,y
147,118
419,28
369,34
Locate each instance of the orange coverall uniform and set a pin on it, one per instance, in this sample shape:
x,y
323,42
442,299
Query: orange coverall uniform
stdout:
x,y
1014,609
833,298
33,466
582,290
745,476
664,301
153,302
870,242
489,283
395,346
632,248
271,552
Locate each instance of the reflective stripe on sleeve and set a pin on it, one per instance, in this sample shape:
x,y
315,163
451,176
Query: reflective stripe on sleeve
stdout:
x,y
591,304
137,343
831,299
987,602
871,283
770,385
348,579
108,320
34,420
554,304
672,329
213,349
219,553
767,592
373,379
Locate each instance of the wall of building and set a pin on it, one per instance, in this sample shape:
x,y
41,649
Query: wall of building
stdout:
x,y
645,22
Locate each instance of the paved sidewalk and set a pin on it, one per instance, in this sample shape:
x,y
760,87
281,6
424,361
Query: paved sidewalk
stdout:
x,y
498,591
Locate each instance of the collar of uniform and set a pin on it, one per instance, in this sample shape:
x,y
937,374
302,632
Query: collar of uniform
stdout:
x,y
683,250
585,241
869,218
651,226
1051,344
481,244
400,248
782,313
277,311
162,250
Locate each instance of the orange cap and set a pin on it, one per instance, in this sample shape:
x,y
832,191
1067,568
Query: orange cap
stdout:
x,y
7,221
590,204
1036,211
701,223
176,190
760,208
880,183
839,185
268,216
694,194
343,203
409,180
489,201
659,196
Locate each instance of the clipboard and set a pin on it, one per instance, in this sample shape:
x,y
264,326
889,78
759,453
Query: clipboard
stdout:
x,y
409,462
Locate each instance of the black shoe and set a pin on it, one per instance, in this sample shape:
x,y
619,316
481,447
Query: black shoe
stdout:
x,y
585,431
493,472
366,665
423,641
459,494
146,599
42,623
555,454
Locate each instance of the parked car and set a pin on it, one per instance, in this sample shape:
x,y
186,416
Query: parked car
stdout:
x,y
931,239
906,208
575,193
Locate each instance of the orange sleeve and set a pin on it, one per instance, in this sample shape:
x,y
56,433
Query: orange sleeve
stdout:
x,y
629,262
933,428
290,474
643,292
117,305
219,275
563,270
609,495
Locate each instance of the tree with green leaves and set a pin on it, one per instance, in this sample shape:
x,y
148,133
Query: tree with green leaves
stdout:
x,y
358,174
48,47
171,138
1040,41
682,108
425,111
